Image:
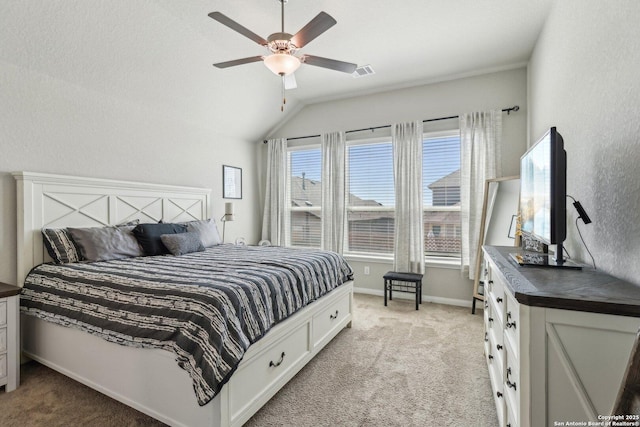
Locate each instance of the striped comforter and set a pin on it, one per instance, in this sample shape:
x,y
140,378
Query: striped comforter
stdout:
x,y
206,307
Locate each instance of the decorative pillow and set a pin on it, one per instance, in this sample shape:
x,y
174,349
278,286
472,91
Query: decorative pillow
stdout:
x,y
105,243
133,222
182,243
207,231
148,235
60,245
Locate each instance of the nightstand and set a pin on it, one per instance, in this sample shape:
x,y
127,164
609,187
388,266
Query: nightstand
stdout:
x,y
9,341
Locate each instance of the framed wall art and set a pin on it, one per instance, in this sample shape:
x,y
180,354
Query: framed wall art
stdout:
x,y
231,182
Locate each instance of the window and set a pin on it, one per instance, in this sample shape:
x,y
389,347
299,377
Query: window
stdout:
x,y
371,198
304,184
441,194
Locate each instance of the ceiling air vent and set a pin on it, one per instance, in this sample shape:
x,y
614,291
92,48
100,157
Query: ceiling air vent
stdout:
x,y
365,70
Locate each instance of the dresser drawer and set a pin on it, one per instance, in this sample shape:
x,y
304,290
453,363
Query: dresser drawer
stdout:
x,y
3,369
496,326
3,340
255,378
512,382
3,313
498,391
511,420
512,323
495,358
328,320
496,295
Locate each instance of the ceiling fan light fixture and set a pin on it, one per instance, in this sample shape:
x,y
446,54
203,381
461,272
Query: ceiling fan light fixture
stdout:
x,y
282,64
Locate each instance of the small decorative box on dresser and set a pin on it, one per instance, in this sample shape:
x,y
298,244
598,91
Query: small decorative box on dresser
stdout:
x,y
9,342
556,341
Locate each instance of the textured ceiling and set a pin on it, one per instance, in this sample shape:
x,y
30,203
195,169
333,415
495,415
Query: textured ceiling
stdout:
x,y
159,53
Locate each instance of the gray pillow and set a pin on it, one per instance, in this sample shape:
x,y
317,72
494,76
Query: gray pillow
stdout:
x,y
106,243
182,243
207,231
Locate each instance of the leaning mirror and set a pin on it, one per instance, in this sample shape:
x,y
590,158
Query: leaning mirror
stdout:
x,y
497,224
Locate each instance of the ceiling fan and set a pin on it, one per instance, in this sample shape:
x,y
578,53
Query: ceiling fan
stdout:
x,y
282,48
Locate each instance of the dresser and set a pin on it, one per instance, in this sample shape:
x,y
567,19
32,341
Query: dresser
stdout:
x,y
556,341
9,342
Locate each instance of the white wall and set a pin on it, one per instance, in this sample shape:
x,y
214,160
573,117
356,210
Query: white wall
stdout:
x,y
79,119
496,90
584,79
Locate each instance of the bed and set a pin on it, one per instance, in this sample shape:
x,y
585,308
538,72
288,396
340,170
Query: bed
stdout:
x,y
150,379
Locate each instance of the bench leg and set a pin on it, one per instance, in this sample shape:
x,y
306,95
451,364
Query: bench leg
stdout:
x,y
385,293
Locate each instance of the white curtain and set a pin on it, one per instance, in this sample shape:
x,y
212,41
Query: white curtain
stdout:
x,y
333,191
275,222
407,170
480,137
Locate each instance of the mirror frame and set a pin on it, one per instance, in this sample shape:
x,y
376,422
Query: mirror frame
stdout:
x,y
483,226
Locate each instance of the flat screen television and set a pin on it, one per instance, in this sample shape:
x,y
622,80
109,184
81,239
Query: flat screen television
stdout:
x,y
543,192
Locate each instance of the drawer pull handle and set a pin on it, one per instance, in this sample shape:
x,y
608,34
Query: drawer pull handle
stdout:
x,y
512,385
498,394
334,316
511,325
486,337
490,357
490,319
499,347
498,299
278,363
491,282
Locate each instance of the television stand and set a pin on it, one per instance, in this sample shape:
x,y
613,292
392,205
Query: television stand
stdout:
x,y
536,259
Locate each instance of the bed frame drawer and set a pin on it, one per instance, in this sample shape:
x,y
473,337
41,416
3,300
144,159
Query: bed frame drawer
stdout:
x,y
276,363
325,322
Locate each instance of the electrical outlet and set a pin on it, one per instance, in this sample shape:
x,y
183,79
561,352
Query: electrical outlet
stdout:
x,y
366,270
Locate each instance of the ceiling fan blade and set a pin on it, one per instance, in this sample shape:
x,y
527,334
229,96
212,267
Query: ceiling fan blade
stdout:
x,y
235,62
318,25
332,64
290,81
225,20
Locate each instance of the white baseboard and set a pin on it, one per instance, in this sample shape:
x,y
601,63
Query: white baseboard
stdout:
x,y
427,298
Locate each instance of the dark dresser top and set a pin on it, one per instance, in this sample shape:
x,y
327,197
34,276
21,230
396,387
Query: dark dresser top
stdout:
x,y
582,290
8,290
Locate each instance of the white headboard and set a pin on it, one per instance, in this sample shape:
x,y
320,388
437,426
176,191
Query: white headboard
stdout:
x,y
58,201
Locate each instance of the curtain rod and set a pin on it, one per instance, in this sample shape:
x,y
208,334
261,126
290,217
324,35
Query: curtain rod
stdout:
x,y
504,110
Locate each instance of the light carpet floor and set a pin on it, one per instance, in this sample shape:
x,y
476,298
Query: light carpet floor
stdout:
x,y
395,367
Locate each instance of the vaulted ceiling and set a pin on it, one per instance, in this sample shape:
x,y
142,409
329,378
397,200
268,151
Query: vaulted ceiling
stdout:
x,y
159,53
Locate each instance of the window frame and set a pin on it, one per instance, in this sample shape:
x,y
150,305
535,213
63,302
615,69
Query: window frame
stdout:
x,y
457,260
362,254
432,260
308,209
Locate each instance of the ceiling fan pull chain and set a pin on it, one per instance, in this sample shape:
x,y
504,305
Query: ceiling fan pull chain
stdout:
x,y
284,100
